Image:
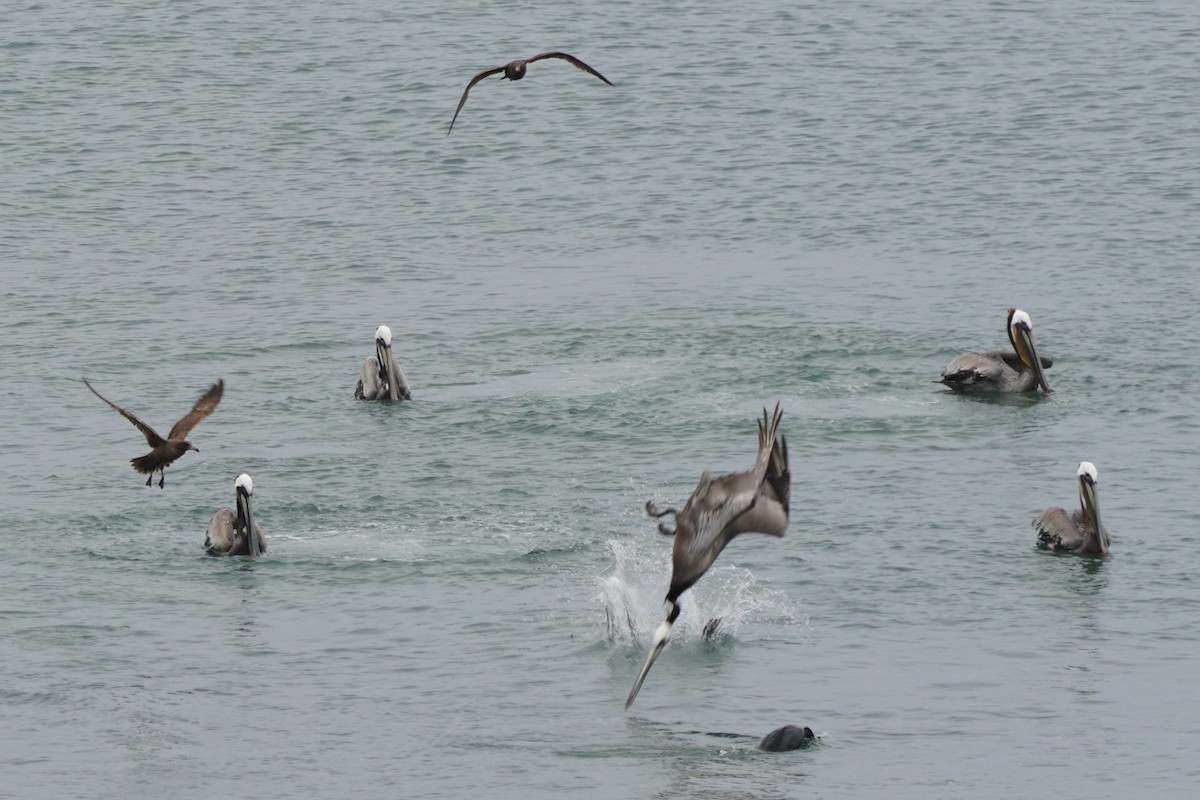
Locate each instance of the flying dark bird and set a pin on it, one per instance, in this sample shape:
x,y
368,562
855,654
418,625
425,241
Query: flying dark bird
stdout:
x,y
515,70
721,507
382,378
789,737
1080,532
1000,370
164,451
236,533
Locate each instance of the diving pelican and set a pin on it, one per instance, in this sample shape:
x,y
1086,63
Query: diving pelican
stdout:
x,y
233,533
382,378
515,70
1001,370
721,507
1080,532
164,451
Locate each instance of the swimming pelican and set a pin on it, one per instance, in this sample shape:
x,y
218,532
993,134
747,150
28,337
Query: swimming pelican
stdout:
x,y
1001,370
164,451
1080,532
382,378
236,533
721,507
515,70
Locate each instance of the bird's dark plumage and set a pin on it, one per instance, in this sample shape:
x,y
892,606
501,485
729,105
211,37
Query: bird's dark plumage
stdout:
x,y
789,737
164,451
515,71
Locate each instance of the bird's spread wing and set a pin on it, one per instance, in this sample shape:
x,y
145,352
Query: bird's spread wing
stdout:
x,y
204,406
569,58
462,101
152,437
754,501
767,510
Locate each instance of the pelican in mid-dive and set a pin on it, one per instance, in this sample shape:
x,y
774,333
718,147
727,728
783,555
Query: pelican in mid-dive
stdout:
x,y
515,71
164,451
382,378
236,533
721,507
1082,531
1021,370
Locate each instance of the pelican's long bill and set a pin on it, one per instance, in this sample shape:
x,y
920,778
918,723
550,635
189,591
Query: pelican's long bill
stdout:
x,y
383,351
245,515
660,641
1020,331
1090,503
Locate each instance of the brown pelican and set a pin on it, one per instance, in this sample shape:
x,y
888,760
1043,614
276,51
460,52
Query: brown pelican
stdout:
x,y
1001,370
789,737
721,507
164,451
382,378
515,70
1080,532
233,533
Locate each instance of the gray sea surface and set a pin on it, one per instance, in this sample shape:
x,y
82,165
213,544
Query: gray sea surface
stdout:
x,y
594,291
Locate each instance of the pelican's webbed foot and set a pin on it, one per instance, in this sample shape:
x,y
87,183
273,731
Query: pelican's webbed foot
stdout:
x,y
653,511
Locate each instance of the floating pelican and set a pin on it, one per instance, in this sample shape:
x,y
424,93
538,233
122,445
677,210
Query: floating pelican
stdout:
x,y
164,451
236,533
1001,370
721,507
382,378
1080,532
789,737
515,70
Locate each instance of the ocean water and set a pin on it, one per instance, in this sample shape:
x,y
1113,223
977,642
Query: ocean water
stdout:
x,y
595,291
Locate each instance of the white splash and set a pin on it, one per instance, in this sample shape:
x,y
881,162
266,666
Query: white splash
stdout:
x,y
633,593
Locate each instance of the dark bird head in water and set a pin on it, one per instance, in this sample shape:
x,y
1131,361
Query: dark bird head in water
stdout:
x,y
789,737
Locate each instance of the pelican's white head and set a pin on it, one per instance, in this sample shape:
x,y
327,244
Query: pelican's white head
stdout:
x,y
244,483
1088,469
1020,333
384,334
